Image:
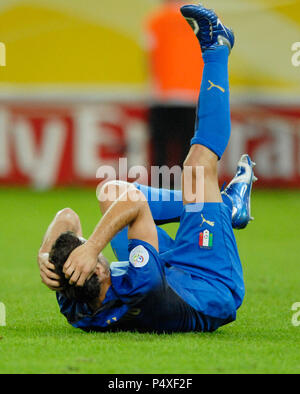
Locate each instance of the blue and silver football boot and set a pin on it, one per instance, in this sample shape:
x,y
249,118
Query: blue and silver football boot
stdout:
x,y
208,28
238,193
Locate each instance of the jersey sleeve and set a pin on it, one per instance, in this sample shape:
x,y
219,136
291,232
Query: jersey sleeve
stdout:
x,y
145,272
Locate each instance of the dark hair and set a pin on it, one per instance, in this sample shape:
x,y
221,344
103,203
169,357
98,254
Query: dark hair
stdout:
x,y
60,251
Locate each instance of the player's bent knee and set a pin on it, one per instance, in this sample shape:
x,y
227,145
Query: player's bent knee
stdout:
x,y
112,188
115,190
138,198
110,192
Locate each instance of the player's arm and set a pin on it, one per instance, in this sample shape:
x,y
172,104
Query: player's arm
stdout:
x,y
130,209
64,220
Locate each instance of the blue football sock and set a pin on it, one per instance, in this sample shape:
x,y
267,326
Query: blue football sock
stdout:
x,y
213,125
166,205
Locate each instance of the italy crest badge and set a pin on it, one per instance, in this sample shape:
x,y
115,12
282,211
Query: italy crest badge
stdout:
x,y
206,239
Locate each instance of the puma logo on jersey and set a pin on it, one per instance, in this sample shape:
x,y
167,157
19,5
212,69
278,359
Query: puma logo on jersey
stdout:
x,y
212,224
212,85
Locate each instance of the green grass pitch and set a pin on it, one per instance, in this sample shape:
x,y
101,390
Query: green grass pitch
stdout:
x,y
37,339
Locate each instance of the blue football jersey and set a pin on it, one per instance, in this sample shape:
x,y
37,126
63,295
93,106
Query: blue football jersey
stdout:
x,y
139,299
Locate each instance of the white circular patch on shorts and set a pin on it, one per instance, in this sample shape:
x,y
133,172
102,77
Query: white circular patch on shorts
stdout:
x,y
139,256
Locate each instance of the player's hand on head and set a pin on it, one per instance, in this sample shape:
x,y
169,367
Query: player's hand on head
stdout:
x,y
48,276
81,264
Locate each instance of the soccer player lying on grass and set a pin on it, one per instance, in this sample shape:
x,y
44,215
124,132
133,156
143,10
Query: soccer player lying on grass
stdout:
x,y
192,283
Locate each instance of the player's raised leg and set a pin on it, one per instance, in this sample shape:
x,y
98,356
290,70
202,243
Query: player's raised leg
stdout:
x,y
213,126
212,131
205,245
